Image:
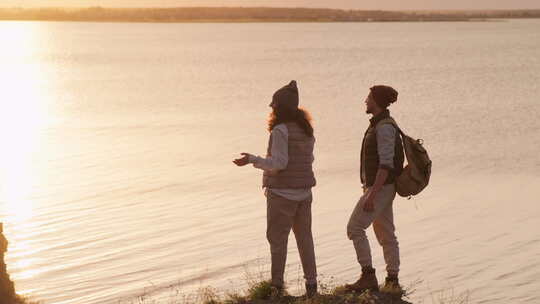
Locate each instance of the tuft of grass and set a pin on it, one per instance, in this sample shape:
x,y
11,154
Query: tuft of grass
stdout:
x,y
368,298
208,295
235,298
261,291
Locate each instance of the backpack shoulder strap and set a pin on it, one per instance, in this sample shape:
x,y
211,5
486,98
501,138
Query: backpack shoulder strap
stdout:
x,y
391,121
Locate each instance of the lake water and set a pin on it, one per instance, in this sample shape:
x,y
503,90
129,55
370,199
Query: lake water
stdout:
x,y
117,141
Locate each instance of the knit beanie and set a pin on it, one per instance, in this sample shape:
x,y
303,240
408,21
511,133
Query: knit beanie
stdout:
x,y
287,96
384,95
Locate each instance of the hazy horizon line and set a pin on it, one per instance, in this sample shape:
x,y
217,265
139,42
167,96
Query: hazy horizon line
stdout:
x,y
273,7
252,14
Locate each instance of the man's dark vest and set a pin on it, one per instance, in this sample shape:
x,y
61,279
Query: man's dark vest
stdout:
x,y
369,163
299,172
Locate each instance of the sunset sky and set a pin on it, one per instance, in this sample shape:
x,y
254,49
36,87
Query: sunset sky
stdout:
x,y
344,4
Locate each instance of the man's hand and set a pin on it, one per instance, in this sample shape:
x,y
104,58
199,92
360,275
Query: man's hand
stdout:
x,y
242,161
380,178
369,202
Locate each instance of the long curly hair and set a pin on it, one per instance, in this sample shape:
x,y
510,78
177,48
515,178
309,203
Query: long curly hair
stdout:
x,y
284,114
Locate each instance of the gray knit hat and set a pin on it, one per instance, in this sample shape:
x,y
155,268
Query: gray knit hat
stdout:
x,y
287,96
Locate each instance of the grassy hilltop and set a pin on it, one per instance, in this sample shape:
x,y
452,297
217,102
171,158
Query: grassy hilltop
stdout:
x,y
263,293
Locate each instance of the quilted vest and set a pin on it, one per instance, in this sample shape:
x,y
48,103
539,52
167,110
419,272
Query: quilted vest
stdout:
x,y
369,160
299,172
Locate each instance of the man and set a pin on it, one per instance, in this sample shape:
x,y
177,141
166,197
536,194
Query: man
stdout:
x,y
381,162
288,178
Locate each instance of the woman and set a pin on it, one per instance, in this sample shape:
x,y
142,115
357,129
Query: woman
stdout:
x,y
288,178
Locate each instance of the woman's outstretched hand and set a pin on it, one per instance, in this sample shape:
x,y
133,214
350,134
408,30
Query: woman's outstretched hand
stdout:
x,y
242,161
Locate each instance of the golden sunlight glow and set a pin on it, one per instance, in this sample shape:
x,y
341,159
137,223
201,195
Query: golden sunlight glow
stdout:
x,y
22,115
28,271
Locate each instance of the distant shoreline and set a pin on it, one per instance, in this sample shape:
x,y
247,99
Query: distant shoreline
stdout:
x,y
252,14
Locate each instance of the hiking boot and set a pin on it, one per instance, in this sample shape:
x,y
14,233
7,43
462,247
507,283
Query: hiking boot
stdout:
x,y
311,290
391,286
367,281
277,291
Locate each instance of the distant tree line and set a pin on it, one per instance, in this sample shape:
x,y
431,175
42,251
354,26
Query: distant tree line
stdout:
x,y
254,14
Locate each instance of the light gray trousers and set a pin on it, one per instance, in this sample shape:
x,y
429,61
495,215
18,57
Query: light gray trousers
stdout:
x,y
282,216
382,219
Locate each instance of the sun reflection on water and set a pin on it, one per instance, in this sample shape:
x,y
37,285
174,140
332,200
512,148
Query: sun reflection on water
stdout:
x,y
22,119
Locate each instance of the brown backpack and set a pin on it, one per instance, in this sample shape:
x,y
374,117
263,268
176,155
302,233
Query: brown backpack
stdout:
x,y
415,176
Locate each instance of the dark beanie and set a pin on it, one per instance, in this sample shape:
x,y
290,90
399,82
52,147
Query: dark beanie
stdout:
x,y
287,96
384,95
